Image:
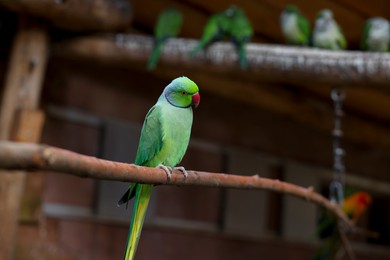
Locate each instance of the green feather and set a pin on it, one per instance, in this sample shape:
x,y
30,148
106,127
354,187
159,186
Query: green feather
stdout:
x,y
215,29
168,25
304,27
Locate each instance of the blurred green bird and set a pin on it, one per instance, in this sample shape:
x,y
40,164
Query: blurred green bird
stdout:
x,y
376,35
327,33
168,25
295,27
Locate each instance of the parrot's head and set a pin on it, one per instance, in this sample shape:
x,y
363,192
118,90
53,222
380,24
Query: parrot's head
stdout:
x,y
231,11
356,204
182,92
364,199
379,25
324,19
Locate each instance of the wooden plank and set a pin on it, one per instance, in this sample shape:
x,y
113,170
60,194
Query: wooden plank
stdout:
x,y
77,15
22,90
29,129
280,64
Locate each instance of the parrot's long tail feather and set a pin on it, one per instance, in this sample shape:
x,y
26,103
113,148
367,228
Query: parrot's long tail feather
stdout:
x,y
142,197
242,56
155,54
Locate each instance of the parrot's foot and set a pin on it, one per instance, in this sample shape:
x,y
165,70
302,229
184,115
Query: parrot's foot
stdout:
x,y
183,170
168,170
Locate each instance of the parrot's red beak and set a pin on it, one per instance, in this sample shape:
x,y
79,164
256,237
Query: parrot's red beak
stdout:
x,y
195,99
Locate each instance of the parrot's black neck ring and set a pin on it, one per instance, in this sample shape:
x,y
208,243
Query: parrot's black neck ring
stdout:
x,y
170,102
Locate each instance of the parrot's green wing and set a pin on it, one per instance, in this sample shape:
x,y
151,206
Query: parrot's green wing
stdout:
x,y
151,139
149,145
342,42
304,27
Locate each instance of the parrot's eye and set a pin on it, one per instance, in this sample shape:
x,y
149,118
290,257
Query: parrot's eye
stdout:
x,y
184,93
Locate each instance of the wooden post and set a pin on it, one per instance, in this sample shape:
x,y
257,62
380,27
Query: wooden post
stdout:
x,y
20,118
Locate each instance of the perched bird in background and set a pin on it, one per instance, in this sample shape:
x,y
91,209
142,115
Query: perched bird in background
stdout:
x,y
168,25
376,35
164,139
295,26
216,28
354,207
326,33
241,32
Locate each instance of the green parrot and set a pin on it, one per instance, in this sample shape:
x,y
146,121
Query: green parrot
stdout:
x,y
216,28
164,140
168,25
376,35
295,26
327,34
354,206
241,32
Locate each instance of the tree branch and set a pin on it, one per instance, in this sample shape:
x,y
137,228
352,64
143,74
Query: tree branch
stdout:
x,y
266,61
345,242
28,156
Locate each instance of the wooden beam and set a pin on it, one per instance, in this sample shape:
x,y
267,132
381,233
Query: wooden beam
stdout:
x,y
266,62
28,156
21,93
77,15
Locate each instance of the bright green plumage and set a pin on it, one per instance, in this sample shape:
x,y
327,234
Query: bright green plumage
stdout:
x,y
232,23
164,140
376,35
241,32
327,34
168,25
216,28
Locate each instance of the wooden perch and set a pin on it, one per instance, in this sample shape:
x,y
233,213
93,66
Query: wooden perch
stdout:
x,y
77,15
276,62
28,156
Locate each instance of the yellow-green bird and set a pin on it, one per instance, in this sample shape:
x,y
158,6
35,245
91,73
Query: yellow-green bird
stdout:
x,y
164,140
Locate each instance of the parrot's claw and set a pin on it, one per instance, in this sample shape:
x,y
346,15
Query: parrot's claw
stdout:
x,y
168,170
183,170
